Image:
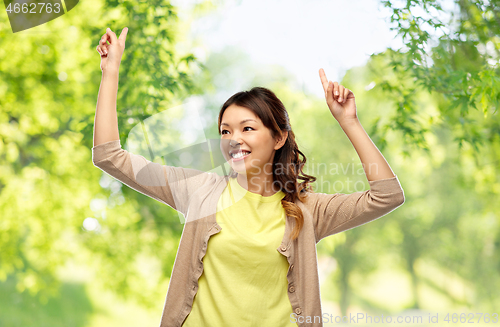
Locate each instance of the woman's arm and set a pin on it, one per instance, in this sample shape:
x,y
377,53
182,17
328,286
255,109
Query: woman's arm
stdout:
x,y
334,213
342,105
106,121
374,163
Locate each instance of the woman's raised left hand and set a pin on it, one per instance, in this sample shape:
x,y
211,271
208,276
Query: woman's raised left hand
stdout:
x,y
340,100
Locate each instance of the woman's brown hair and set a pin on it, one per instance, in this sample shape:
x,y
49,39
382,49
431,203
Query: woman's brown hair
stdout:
x,y
271,111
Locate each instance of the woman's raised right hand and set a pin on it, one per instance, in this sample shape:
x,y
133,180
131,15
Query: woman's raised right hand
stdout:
x,y
111,54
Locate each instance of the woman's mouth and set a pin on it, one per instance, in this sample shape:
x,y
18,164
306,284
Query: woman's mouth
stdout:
x,y
240,156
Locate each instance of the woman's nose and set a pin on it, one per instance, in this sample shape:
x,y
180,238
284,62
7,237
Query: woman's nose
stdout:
x,y
235,141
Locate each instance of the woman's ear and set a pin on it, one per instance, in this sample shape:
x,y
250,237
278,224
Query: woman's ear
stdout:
x,y
281,141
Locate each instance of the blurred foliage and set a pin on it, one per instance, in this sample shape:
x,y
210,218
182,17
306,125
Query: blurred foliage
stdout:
x,y
58,311
449,217
436,103
49,81
450,53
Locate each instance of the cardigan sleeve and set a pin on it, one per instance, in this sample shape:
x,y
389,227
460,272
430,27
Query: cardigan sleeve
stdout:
x,y
334,213
167,184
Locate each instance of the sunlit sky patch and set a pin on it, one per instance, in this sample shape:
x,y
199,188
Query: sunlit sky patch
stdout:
x,y
303,36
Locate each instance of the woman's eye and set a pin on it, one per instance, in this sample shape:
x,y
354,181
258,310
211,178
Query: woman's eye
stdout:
x,y
225,130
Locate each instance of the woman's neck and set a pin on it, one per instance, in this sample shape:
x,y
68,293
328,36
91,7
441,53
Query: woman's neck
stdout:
x,y
261,184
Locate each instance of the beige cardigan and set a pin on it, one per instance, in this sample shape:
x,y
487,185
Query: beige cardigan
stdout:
x,y
195,194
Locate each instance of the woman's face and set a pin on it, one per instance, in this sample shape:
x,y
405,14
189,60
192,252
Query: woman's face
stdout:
x,y
242,130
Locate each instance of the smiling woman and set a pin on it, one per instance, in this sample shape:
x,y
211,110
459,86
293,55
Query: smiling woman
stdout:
x,y
247,254
256,121
256,138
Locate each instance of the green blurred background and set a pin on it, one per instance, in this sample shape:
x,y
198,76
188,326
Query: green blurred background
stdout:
x,y
79,249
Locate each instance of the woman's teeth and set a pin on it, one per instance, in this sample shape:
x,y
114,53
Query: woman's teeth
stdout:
x,y
239,155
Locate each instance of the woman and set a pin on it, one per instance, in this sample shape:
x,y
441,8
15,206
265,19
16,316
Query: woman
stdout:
x,y
247,255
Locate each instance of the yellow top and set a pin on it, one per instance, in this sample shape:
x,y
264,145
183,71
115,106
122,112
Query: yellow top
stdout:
x,y
244,277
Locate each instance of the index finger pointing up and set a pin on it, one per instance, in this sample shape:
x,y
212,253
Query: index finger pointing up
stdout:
x,y
123,34
324,81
